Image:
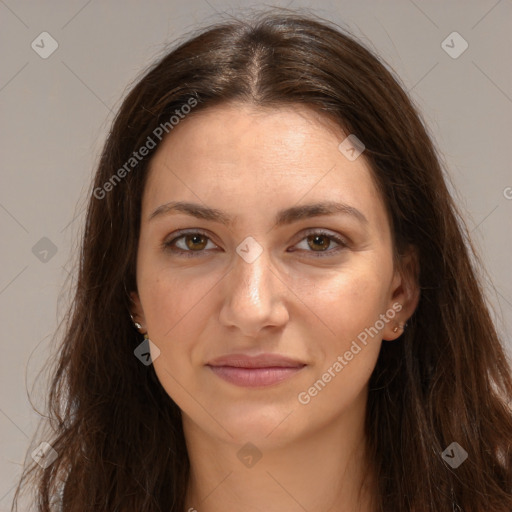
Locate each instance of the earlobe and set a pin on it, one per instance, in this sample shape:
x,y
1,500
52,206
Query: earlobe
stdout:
x,y
399,327
136,312
405,291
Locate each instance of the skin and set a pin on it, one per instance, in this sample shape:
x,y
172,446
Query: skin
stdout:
x,y
251,162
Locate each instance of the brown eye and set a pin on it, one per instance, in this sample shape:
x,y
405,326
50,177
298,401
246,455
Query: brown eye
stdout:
x,y
196,241
321,242
318,244
193,243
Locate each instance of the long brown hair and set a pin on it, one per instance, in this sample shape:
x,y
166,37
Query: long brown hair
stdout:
x,y
117,433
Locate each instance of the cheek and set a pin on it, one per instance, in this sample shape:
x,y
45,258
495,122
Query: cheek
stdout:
x,y
350,302
351,308
178,304
174,304
176,308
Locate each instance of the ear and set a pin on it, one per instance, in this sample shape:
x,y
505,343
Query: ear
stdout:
x,y
405,293
136,310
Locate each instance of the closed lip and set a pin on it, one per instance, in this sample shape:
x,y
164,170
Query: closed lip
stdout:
x,y
259,361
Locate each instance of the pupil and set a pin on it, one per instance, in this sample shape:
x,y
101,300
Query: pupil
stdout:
x,y
317,237
193,240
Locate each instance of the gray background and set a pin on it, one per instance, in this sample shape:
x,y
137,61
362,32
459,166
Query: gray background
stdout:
x,y
55,113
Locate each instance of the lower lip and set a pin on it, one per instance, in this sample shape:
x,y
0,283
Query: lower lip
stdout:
x,y
254,377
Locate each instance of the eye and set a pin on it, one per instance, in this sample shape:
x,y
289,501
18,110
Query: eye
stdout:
x,y
322,240
194,243
191,243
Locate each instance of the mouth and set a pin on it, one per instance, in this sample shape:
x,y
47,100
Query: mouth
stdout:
x,y
255,371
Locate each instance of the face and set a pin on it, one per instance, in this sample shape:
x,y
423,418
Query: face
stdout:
x,y
254,270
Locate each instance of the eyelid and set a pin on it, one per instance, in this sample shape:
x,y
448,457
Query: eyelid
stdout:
x,y
332,236
174,237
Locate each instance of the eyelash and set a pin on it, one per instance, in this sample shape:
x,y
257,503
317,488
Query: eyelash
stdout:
x,y
168,245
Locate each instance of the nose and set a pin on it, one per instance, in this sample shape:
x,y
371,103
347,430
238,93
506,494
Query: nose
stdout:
x,y
254,297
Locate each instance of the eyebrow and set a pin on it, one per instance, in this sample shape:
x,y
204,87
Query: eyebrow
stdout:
x,y
283,217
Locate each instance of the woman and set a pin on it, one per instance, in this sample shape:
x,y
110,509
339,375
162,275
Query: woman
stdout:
x,y
276,307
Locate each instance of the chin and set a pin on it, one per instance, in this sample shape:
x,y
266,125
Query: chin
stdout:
x,y
265,423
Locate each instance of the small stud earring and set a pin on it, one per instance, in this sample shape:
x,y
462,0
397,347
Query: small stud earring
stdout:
x,y
136,324
400,326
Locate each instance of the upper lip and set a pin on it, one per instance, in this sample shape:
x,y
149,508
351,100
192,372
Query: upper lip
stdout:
x,y
259,361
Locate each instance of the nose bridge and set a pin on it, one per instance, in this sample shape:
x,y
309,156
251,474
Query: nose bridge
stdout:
x,y
252,299
252,279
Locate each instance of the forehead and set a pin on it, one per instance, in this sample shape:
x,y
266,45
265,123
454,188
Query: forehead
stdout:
x,y
243,156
